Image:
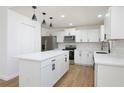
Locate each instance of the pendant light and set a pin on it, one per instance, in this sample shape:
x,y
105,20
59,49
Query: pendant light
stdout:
x,y
51,25
34,18
44,22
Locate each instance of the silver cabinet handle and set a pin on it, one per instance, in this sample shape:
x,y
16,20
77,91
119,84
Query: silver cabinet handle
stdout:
x,y
65,59
53,67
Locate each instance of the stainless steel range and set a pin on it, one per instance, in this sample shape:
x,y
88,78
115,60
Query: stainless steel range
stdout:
x,y
71,49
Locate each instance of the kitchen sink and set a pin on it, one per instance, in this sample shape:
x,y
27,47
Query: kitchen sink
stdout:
x,y
101,52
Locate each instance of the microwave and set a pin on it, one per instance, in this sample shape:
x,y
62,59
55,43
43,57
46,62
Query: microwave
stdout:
x,y
69,39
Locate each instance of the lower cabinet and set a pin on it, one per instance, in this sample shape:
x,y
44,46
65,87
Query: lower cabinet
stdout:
x,y
83,58
47,76
43,74
109,75
55,70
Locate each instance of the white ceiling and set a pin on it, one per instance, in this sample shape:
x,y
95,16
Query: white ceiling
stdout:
x,y
77,15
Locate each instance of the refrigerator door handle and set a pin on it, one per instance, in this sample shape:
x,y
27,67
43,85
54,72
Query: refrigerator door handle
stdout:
x,y
45,45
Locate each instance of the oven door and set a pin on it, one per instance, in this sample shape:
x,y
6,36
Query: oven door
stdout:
x,y
71,55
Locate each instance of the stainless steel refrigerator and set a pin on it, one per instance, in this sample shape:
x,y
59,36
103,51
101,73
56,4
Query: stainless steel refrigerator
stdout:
x,y
48,43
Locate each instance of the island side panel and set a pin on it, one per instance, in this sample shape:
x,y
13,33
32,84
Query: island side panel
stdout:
x,y
110,76
29,73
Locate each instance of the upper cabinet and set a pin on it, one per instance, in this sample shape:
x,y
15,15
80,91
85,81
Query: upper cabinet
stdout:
x,y
102,33
91,35
60,36
114,23
82,35
69,32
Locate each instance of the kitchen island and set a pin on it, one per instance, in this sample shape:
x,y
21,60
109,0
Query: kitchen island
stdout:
x,y
109,70
42,69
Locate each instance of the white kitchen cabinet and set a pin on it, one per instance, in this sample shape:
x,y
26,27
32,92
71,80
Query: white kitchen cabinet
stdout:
x,y
109,75
87,35
45,73
93,35
83,58
81,36
90,58
84,36
78,36
66,60
102,33
114,23
77,56
69,32
60,36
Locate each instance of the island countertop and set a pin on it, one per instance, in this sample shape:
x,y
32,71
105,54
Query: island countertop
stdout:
x,y
108,59
41,56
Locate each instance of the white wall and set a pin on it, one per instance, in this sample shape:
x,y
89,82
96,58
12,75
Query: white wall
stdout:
x,y
23,36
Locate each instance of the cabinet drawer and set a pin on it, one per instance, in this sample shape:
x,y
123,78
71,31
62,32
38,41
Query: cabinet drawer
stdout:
x,y
47,62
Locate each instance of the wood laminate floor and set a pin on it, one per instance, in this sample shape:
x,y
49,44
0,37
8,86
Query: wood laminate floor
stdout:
x,y
77,76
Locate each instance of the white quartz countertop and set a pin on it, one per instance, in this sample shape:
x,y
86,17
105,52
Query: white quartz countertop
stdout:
x,y
41,56
108,59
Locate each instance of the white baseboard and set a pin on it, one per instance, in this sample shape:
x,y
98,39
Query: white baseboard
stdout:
x,y
5,77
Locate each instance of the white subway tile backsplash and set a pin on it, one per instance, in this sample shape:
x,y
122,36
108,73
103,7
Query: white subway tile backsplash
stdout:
x,y
117,47
86,47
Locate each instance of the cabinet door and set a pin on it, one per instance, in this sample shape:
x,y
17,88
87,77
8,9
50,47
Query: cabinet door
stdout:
x,y
93,35
66,62
102,33
77,57
78,36
46,76
84,58
60,37
68,32
49,74
62,64
116,20
83,36
54,68
60,60
90,58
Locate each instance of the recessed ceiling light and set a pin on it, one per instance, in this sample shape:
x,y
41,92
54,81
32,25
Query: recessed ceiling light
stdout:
x,y
99,16
70,24
62,16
